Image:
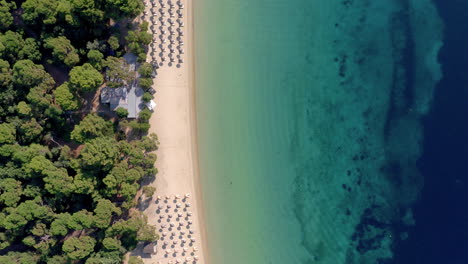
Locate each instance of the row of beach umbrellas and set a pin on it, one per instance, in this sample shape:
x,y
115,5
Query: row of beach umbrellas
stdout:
x,y
167,32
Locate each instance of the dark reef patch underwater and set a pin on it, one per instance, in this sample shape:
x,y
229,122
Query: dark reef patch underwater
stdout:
x,y
440,234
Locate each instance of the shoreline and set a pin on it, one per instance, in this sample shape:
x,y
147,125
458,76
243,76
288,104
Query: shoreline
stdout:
x,y
175,122
194,134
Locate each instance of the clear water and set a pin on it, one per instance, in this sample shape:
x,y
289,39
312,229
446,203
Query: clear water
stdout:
x,y
309,125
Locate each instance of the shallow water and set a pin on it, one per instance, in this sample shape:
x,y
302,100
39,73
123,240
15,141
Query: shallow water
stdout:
x,y
309,116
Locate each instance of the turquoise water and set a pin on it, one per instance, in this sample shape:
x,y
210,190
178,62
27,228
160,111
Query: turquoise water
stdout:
x,y
309,125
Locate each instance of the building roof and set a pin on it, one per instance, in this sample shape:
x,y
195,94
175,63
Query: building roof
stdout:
x,y
114,96
150,249
128,98
135,105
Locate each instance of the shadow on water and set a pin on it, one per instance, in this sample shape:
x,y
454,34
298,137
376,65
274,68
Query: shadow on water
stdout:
x,y
441,231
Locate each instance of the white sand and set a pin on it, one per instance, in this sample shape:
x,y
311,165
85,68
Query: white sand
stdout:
x,y
174,121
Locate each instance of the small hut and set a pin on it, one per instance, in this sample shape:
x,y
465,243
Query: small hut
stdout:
x,y
150,248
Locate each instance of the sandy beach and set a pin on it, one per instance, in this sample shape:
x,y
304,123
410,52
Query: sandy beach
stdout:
x,y
174,121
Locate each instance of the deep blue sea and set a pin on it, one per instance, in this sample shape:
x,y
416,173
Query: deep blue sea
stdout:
x,y
440,234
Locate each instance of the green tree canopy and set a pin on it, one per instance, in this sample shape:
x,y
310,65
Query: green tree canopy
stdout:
x,y
88,10
6,19
117,9
10,191
31,50
148,191
19,258
40,97
41,11
99,153
111,244
58,182
65,98
95,58
12,44
58,259
145,83
121,112
92,126
144,115
28,74
147,97
113,42
118,72
137,40
7,133
103,213
61,202
135,260
5,73
78,248
23,109
145,70
48,12
85,78
29,131
62,50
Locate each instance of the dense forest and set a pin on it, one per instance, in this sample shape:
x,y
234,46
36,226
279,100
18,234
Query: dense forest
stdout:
x,y
71,176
